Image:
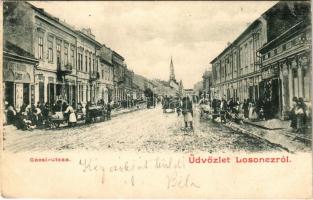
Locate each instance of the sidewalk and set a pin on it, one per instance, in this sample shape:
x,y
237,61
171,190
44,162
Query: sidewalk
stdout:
x,y
116,112
277,132
272,124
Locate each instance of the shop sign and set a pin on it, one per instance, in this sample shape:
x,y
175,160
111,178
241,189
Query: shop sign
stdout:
x,y
21,74
269,73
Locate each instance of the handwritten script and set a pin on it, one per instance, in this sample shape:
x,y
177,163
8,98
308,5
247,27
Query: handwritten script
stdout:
x,y
173,173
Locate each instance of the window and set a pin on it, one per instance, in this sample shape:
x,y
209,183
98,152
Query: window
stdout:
x,y
79,61
86,63
90,63
72,57
93,63
284,47
268,55
40,47
50,51
275,51
65,54
102,74
58,53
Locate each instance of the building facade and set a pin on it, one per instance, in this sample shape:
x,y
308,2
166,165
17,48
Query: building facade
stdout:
x,y
287,69
129,76
119,68
53,44
68,60
88,63
18,75
106,74
237,70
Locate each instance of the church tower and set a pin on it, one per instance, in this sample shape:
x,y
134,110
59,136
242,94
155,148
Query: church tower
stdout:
x,y
172,73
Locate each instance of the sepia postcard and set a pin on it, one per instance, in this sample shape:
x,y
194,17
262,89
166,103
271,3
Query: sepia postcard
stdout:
x,y
156,99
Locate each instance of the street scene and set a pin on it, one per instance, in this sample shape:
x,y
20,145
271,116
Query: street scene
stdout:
x,y
146,130
70,85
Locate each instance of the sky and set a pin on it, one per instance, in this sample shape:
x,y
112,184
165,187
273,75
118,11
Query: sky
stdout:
x,y
148,34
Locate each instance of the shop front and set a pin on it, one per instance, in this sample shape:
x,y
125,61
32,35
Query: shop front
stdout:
x,y
270,90
18,84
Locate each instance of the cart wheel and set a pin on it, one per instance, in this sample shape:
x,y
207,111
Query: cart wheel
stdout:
x,y
57,124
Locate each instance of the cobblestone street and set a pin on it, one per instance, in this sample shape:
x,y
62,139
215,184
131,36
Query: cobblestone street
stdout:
x,y
148,130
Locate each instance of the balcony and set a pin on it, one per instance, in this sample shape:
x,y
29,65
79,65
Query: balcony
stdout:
x,y
94,76
65,70
62,71
121,80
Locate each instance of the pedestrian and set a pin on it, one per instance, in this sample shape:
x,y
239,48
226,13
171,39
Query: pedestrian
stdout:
x,y
109,109
187,111
38,115
292,113
178,107
72,120
223,109
301,116
88,118
245,107
252,111
11,114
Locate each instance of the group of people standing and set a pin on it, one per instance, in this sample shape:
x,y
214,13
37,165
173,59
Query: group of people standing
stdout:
x,y
261,109
28,116
33,116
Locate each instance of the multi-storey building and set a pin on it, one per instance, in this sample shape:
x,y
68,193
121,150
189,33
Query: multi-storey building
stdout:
x,y
236,71
129,76
18,75
65,61
119,68
106,73
286,68
88,62
52,42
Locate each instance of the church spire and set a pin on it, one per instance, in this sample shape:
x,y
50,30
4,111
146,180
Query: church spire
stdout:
x,y
172,74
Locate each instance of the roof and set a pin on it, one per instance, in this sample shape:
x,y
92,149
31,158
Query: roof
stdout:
x,y
249,28
118,55
64,24
89,38
56,19
285,35
15,50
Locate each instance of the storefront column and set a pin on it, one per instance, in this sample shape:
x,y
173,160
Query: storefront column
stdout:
x,y
290,84
284,90
300,79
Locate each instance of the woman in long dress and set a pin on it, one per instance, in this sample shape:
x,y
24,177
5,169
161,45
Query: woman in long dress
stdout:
x,y
292,114
187,112
72,117
300,112
252,112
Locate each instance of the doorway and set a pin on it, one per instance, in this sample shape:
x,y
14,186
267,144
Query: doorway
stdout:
x,y
9,94
26,93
